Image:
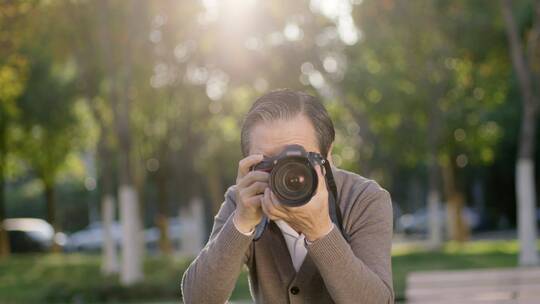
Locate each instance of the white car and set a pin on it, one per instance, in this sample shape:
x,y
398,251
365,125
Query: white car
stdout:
x,y
32,235
91,238
418,222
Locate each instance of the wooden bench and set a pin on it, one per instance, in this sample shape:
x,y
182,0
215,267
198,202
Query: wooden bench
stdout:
x,y
503,285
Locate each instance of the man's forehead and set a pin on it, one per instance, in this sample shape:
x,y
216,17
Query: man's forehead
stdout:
x,y
270,138
271,149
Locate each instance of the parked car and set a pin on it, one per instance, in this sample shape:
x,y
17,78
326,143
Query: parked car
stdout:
x,y
418,222
152,235
91,238
31,235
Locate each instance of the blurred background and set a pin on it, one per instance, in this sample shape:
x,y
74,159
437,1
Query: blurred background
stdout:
x,y
120,130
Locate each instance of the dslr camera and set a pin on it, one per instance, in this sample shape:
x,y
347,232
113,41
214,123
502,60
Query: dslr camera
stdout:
x,y
293,178
294,181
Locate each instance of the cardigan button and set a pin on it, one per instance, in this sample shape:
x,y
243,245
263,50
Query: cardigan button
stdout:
x,y
295,290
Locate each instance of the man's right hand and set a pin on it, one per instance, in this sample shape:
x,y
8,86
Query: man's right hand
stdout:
x,y
250,187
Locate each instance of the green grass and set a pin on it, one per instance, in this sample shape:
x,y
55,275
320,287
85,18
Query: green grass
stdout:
x,y
76,278
68,278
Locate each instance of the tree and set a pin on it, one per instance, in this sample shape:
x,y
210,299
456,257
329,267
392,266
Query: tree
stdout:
x,y
92,80
524,55
411,81
125,28
13,74
49,125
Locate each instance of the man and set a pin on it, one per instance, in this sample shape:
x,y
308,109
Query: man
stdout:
x,y
302,257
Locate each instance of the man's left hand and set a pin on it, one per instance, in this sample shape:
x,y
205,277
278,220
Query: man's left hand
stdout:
x,y
311,219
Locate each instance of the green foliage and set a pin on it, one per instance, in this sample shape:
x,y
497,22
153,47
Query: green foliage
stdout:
x,y
50,123
416,73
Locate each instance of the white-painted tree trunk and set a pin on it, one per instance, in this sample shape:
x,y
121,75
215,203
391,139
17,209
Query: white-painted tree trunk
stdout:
x,y
526,204
450,222
192,219
109,264
435,225
131,236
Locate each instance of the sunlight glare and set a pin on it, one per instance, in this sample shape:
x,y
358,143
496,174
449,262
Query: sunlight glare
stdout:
x,y
339,11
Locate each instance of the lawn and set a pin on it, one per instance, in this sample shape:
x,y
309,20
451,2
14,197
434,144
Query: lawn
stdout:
x,y
76,278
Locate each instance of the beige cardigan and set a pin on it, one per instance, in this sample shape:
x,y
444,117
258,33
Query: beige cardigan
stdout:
x,y
333,271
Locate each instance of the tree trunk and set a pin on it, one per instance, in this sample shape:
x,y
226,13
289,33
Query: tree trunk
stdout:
x,y
129,202
526,195
434,207
216,188
4,237
120,72
110,262
51,213
526,192
132,234
458,228
162,220
525,185
140,187
193,235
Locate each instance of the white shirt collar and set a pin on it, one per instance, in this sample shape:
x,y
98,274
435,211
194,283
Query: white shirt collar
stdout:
x,y
285,228
295,243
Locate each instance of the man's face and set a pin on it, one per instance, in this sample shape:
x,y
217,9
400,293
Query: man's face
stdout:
x,y
270,138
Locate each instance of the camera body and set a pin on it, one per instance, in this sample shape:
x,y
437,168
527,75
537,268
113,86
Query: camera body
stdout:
x,y
293,178
294,181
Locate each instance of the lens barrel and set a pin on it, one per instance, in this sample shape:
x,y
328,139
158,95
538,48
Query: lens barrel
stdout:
x,y
293,178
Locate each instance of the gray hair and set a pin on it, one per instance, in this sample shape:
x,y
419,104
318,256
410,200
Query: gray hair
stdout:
x,y
286,104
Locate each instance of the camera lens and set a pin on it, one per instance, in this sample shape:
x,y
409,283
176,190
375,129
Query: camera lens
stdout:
x,y
294,178
294,181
